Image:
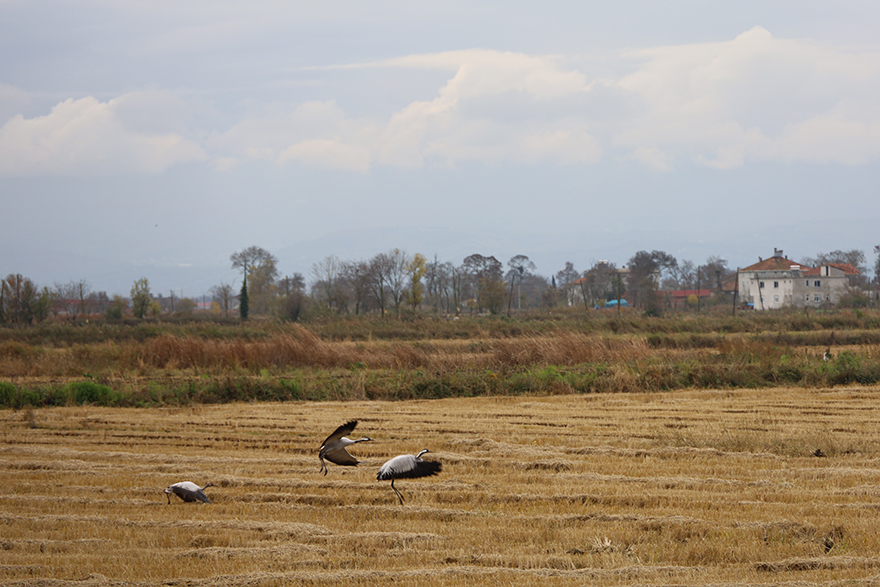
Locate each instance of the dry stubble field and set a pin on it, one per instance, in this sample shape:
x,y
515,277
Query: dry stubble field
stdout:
x,y
676,488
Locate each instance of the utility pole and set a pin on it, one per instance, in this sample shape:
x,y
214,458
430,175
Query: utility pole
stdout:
x,y
618,294
698,290
735,292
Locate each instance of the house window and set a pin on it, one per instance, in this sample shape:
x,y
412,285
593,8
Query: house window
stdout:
x,y
827,297
817,299
807,298
776,299
817,283
761,285
776,284
808,283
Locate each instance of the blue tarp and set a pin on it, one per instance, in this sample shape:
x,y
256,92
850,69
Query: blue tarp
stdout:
x,y
613,304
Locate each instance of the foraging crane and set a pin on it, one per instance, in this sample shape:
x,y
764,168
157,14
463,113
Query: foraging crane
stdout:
x,y
188,491
407,467
334,450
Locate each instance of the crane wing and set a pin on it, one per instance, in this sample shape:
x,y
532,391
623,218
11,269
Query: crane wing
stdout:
x,y
408,467
340,456
343,430
188,491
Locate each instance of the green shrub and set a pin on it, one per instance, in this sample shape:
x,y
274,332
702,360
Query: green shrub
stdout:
x,y
90,392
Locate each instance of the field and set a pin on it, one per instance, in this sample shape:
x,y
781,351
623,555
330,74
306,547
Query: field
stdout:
x,y
685,487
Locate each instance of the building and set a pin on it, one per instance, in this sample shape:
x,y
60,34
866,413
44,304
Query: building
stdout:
x,y
778,282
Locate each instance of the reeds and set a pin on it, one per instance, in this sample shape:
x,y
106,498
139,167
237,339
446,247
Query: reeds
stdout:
x,y
211,363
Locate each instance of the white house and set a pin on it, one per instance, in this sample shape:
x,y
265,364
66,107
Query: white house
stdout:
x,y
779,282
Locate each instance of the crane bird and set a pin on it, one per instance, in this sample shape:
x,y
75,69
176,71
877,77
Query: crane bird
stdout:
x,y
407,467
188,491
334,450
827,356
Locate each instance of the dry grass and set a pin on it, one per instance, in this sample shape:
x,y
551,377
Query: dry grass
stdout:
x,y
683,488
299,347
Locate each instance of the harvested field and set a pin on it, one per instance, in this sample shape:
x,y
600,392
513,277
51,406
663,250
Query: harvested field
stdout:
x,y
744,487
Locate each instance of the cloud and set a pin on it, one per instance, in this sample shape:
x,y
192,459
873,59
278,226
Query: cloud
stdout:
x,y
317,134
752,98
87,137
495,107
328,154
721,104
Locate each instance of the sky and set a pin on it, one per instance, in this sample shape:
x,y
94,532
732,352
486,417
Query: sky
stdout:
x,y
155,138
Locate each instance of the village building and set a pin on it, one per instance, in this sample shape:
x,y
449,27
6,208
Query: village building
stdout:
x,y
778,282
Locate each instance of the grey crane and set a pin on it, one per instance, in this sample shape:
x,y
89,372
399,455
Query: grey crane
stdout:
x,y
407,467
334,450
188,491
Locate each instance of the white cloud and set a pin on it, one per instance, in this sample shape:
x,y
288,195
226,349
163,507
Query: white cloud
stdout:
x,y
328,154
753,98
723,104
314,133
87,137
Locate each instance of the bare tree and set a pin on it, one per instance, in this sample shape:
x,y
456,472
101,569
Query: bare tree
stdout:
x,y
327,274
398,262
224,294
853,257
378,280
682,275
519,267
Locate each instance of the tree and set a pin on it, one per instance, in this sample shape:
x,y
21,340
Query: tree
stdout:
x,y
484,281
715,273
440,280
18,299
853,257
378,279
259,266
71,297
519,267
645,273
244,300
141,297
398,262
356,275
416,269
566,282
293,289
186,307
328,274
600,283
224,294
116,309
681,276
877,266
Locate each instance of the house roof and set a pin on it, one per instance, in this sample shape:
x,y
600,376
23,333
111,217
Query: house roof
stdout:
x,y
773,264
845,267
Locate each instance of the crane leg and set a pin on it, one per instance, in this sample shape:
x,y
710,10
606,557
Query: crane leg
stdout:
x,y
399,495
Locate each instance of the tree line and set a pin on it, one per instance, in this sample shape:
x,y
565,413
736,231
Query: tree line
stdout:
x,y
395,283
